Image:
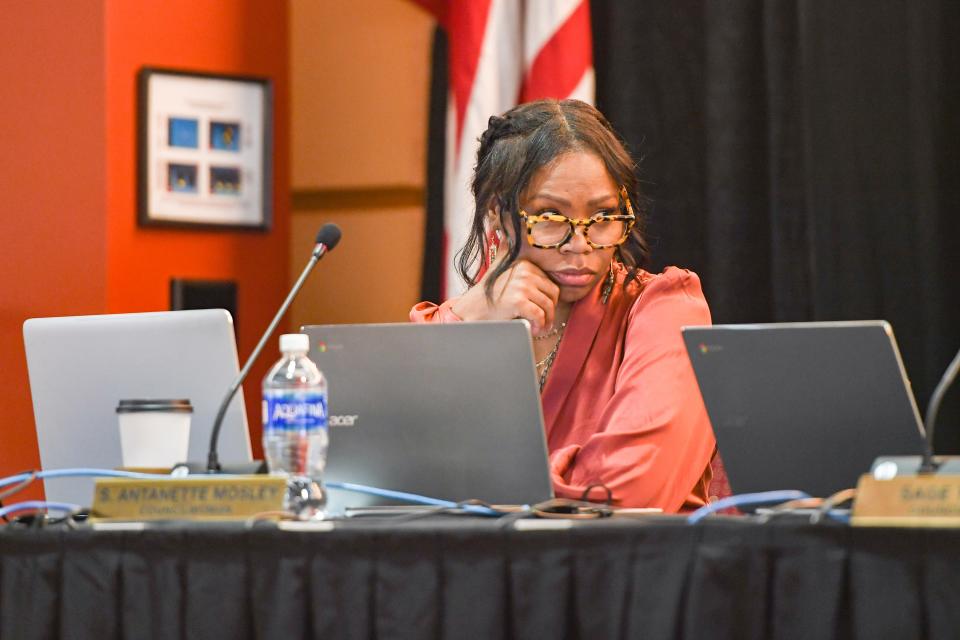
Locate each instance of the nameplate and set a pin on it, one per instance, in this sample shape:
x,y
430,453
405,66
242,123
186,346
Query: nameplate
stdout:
x,y
907,501
191,498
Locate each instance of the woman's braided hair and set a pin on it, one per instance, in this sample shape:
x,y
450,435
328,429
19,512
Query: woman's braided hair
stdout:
x,y
518,144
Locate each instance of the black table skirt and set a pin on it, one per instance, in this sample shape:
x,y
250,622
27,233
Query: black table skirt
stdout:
x,y
476,579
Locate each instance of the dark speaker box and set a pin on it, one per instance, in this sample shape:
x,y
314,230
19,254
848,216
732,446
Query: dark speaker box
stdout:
x,y
204,294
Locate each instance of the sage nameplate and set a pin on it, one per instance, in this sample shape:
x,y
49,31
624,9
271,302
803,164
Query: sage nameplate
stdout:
x,y
194,498
907,501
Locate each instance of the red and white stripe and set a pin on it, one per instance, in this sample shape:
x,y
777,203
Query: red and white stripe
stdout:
x,y
503,52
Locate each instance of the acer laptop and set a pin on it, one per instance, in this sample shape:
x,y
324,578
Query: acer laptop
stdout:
x,y
80,368
449,411
805,406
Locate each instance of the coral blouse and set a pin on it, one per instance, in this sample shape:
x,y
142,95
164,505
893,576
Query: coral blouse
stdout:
x,y
621,405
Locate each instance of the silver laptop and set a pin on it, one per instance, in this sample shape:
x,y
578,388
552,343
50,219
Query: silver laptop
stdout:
x,y
805,406
449,411
81,366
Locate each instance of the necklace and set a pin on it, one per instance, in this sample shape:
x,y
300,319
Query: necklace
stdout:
x,y
563,325
544,365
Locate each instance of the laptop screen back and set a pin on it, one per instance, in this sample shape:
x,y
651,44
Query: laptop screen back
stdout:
x,y
804,406
80,368
449,411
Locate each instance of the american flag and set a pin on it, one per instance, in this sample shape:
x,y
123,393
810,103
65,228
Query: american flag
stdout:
x,y
502,53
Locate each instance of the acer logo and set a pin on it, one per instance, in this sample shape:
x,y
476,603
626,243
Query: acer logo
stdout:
x,y
342,421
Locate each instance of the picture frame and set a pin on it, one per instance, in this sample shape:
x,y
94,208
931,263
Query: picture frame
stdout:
x,y
204,150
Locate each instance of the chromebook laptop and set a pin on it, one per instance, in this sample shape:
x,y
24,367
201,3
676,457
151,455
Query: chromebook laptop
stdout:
x,y
81,366
805,406
449,411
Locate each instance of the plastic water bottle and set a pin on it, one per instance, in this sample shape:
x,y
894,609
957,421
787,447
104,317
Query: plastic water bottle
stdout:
x,y
295,425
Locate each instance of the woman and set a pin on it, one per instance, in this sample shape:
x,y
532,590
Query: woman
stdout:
x,y
555,240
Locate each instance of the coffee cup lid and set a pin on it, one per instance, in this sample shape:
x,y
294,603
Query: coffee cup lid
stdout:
x,y
139,405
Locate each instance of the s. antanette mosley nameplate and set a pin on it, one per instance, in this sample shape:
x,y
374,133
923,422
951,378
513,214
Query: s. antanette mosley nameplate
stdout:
x,y
209,497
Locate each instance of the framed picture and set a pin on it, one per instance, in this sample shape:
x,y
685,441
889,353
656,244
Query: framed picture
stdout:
x,y
205,146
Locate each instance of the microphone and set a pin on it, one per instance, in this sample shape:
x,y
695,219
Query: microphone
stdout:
x,y
929,465
327,239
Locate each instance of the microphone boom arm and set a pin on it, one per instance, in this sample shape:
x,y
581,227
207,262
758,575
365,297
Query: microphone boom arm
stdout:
x,y
213,462
929,464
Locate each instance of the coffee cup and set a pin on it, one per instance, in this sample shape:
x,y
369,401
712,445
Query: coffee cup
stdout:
x,y
154,434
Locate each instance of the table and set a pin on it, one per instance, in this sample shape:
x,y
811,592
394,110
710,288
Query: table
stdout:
x,y
478,578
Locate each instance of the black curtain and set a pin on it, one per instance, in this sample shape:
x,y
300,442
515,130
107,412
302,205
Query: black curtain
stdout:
x,y
802,157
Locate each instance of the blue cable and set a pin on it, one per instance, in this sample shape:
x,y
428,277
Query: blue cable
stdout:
x,y
413,498
839,515
80,473
745,500
39,504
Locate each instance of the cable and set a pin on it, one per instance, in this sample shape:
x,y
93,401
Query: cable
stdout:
x,y
40,505
31,476
565,509
24,480
745,500
827,508
414,498
79,472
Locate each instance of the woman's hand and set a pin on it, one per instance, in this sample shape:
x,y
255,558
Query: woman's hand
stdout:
x,y
522,291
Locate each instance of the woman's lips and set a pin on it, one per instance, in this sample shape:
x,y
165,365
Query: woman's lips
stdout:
x,y
573,277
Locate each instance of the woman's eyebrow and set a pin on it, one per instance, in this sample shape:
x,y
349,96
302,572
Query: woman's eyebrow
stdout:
x,y
590,203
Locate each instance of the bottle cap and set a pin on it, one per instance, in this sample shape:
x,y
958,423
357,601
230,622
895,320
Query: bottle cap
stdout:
x,y
294,343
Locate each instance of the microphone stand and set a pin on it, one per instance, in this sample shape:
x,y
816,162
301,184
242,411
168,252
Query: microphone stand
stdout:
x,y
929,465
213,462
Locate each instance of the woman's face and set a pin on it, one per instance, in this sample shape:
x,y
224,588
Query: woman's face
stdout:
x,y
575,185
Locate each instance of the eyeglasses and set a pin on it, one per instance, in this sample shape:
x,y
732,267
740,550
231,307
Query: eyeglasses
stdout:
x,y
602,231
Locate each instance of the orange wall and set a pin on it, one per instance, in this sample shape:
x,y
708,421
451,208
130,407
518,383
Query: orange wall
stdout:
x,y
68,175
222,36
359,154
52,208
371,131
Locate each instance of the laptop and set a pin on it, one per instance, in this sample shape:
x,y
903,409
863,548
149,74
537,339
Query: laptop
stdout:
x,y
81,366
805,406
449,411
